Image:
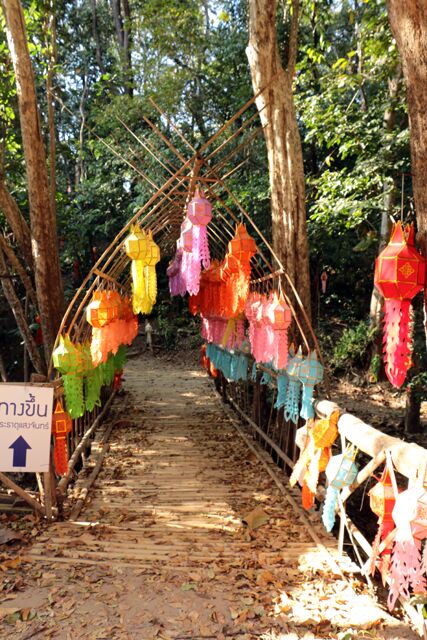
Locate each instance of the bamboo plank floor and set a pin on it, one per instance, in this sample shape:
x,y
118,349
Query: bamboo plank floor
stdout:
x,y
163,528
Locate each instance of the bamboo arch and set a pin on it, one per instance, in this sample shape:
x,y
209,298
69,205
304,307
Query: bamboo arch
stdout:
x,y
210,166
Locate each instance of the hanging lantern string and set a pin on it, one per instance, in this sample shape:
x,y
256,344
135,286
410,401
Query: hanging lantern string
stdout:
x,y
402,196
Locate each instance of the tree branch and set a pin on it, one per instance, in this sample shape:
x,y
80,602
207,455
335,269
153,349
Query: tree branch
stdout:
x,y
15,263
21,321
17,223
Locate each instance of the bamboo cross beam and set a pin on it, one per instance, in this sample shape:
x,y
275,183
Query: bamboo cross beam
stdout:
x,y
105,276
144,145
164,138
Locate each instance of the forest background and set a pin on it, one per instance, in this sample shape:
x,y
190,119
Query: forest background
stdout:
x,y
101,60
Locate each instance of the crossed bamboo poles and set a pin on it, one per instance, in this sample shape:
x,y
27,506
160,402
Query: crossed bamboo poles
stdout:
x,y
164,211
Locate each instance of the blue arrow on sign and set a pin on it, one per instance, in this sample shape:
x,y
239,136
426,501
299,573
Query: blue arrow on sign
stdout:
x,y
20,447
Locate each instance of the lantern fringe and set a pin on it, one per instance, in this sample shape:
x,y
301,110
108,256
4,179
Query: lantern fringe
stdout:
x,y
328,514
60,456
292,400
397,340
307,497
151,277
405,570
73,394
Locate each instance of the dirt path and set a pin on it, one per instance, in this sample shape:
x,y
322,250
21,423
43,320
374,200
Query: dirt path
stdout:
x,y
160,550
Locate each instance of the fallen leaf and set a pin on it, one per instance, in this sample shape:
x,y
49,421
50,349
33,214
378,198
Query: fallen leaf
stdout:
x,y
7,535
255,519
189,586
11,564
264,578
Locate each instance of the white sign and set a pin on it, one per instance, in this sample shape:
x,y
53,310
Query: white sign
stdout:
x,y
25,426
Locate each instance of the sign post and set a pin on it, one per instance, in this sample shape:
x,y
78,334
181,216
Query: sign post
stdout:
x,y
25,427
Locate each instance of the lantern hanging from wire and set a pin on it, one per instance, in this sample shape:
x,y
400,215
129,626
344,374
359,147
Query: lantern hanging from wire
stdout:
x,y
136,247
400,273
61,427
103,308
325,430
242,246
293,394
341,472
310,373
193,241
382,500
280,317
69,361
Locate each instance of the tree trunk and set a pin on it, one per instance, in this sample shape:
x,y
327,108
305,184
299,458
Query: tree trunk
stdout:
x,y
43,223
122,26
408,21
51,47
18,312
285,160
16,222
95,33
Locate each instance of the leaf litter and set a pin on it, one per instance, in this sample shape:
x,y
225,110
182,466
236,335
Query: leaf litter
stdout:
x,y
198,542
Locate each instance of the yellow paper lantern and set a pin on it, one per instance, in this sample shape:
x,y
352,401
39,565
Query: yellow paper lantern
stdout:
x,y
136,243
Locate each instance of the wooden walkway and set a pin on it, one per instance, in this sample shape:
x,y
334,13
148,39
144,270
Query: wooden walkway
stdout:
x,y
160,551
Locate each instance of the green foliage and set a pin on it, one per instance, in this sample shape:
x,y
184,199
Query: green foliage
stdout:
x,y
352,348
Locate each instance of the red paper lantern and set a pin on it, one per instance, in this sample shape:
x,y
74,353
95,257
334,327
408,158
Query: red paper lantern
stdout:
x,y
400,273
400,270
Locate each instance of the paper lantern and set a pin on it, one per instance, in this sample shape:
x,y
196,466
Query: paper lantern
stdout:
x,y
310,373
199,210
291,411
382,501
103,308
61,427
242,246
152,256
400,273
341,472
136,243
325,431
407,568
193,242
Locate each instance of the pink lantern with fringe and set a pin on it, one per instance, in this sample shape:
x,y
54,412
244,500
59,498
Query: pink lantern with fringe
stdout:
x,y
407,566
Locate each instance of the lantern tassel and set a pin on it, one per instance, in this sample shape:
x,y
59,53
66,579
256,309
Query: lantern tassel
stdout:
x,y
405,570
138,285
397,340
60,456
328,514
307,497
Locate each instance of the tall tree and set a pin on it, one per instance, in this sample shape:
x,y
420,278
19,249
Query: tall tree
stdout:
x,y
122,26
278,117
47,273
408,21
